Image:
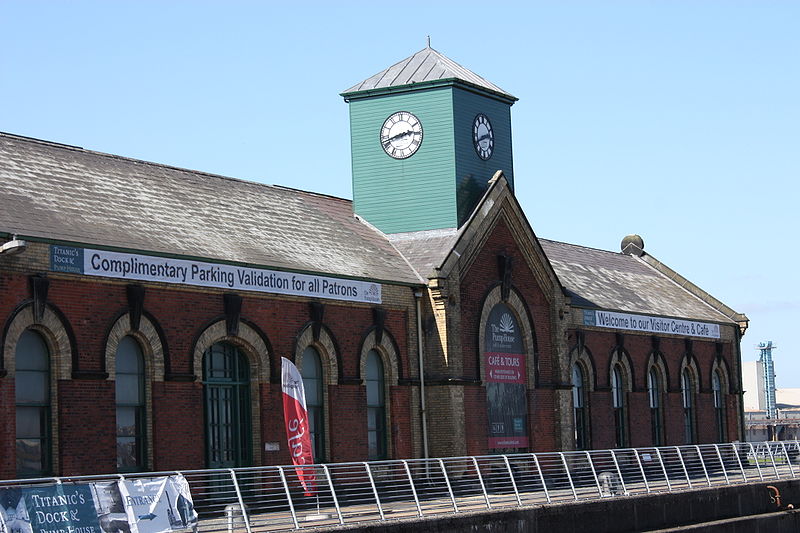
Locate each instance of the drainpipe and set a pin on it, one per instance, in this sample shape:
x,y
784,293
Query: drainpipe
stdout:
x,y
418,297
737,335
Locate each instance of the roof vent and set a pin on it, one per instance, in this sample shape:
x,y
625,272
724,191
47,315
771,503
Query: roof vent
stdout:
x,y
633,245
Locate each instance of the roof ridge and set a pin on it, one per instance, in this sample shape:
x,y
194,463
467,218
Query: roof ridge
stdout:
x,y
692,288
366,223
310,193
74,148
582,246
40,141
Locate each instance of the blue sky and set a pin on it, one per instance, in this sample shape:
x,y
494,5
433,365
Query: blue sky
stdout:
x,y
677,120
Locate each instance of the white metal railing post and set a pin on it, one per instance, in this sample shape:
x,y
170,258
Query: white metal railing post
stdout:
x,y
722,464
619,473
594,473
449,488
739,460
245,516
703,464
772,458
788,459
374,490
755,458
683,465
333,494
541,477
413,488
483,486
664,469
641,469
569,477
513,481
288,497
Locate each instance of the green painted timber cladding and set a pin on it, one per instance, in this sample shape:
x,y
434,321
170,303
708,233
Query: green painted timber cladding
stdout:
x,y
473,173
397,195
438,186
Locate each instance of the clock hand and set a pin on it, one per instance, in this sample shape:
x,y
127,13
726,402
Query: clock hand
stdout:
x,y
483,137
401,135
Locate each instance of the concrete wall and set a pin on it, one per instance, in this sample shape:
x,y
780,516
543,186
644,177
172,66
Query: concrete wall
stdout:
x,y
730,505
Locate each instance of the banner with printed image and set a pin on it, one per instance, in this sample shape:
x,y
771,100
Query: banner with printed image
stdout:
x,y
147,505
506,380
156,505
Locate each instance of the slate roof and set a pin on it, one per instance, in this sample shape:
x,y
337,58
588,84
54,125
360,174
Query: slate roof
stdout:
x,y
425,250
427,65
616,281
65,193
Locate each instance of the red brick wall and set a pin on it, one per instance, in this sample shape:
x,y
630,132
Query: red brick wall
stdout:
x,y
7,428
481,276
601,344
86,413
602,419
400,403
86,417
178,430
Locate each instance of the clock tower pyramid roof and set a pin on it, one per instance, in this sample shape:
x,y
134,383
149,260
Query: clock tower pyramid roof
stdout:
x,y
426,67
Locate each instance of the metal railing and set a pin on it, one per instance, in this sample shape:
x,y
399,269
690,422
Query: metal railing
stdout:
x,y
272,498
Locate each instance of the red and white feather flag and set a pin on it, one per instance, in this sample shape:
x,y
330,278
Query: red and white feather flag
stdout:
x,y
295,415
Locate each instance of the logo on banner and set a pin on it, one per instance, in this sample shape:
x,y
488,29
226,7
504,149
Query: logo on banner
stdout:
x,y
298,433
506,324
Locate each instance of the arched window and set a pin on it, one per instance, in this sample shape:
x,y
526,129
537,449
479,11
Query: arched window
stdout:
x,y
579,403
656,411
313,385
719,406
687,392
130,391
226,381
618,402
376,406
32,385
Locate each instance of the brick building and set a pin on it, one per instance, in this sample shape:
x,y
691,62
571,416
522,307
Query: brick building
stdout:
x,y
144,308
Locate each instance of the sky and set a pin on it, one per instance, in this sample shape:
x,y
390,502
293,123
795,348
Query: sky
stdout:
x,y
676,120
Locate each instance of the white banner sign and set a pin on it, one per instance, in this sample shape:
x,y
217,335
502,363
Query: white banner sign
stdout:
x,y
186,272
650,324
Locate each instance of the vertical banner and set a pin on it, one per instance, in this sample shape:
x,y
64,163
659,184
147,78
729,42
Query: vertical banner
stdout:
x,y
506,378
295,415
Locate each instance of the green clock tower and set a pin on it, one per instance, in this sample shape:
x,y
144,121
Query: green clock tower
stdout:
x,y
427,135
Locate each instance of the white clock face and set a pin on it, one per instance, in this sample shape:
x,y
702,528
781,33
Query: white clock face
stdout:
x,y
401,135
483,136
